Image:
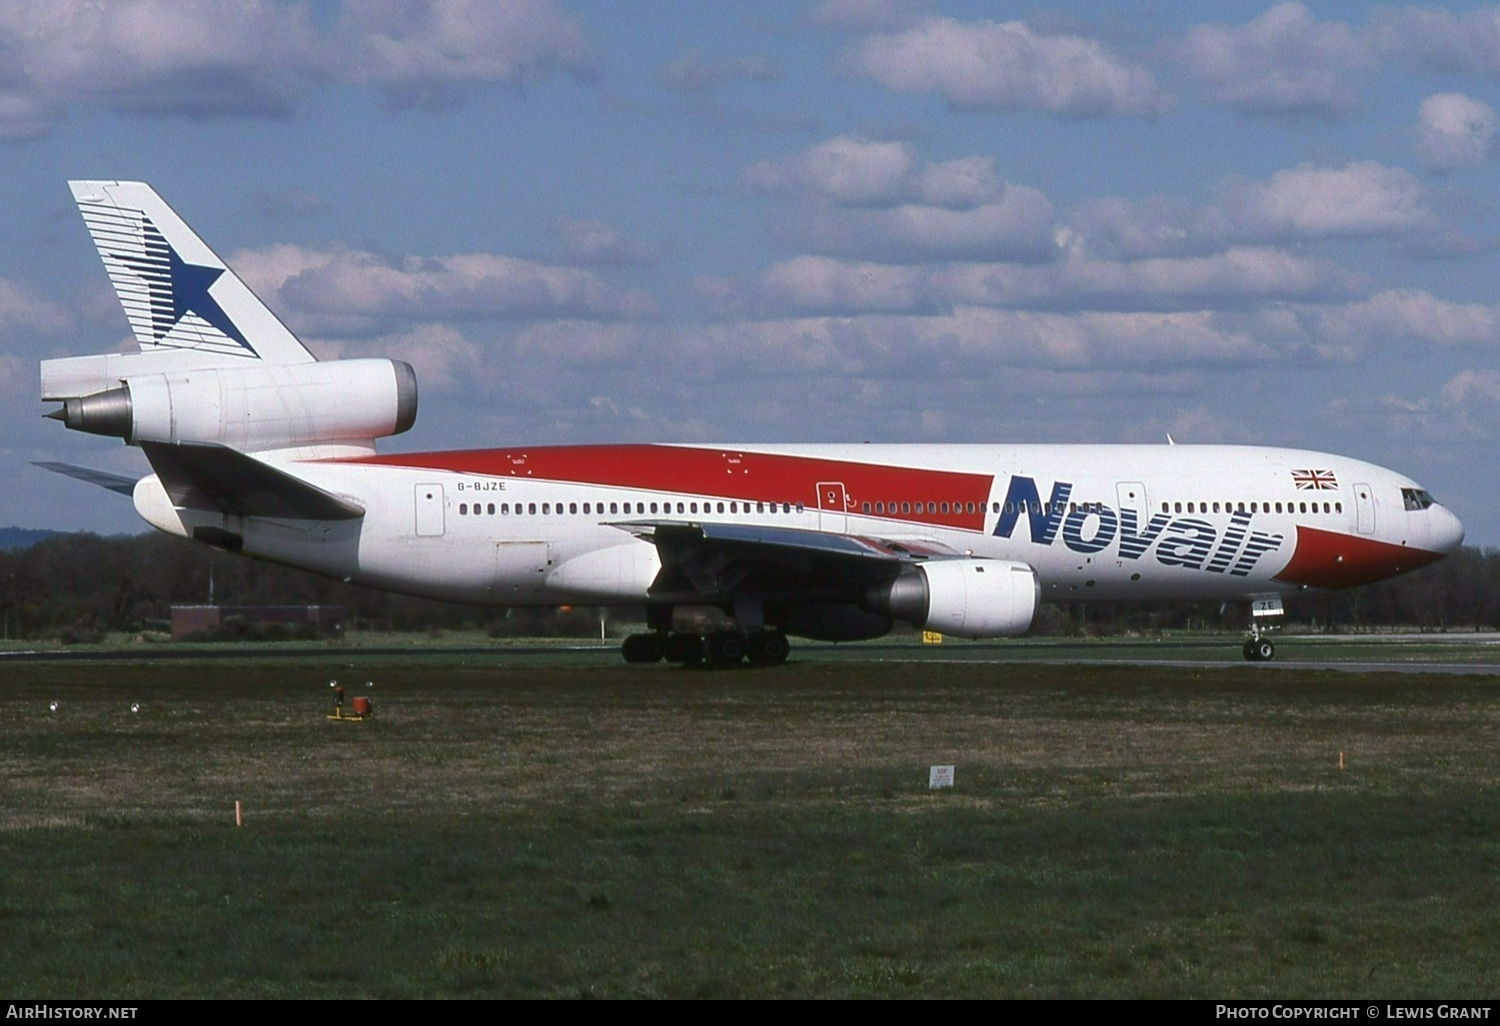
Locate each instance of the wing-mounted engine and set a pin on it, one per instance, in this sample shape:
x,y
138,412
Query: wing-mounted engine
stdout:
x,y
252,408
967,598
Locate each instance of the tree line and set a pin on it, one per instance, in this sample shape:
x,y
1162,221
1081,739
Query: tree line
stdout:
x,y
80,585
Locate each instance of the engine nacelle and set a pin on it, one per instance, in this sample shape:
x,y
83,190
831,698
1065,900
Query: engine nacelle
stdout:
x,y
968,598
255,408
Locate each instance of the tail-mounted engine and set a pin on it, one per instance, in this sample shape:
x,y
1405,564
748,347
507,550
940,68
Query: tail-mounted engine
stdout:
x,y
252,408
967,598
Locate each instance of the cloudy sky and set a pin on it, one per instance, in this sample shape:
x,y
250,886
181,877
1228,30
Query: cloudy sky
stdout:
x,y
798,221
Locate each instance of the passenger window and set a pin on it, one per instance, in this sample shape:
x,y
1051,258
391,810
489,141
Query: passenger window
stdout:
x,y
1338,507
734,507
865,508
721,507
491,510
1216,507
1278,507
1178,506
1164,508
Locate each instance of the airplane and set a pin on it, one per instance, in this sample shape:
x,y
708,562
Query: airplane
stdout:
x,y
258,448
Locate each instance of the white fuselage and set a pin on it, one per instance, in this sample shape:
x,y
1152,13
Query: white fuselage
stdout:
x,y
553,525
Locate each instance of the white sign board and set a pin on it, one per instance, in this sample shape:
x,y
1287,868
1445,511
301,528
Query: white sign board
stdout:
x,y
1266,607
939,776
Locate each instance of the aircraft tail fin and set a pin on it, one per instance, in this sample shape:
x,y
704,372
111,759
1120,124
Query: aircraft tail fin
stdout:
x,y
178,295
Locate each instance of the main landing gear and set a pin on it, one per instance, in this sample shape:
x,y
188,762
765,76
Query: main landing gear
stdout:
x,y
718,650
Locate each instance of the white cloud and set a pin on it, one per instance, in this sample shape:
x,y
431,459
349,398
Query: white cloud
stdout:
x,y
1284,63
190,58
1441,41
595,242
1408,317
420,51
990,66
24,314
349,291
1019,227
1305,203
821,283
258,58
1240,275
1467,386
871,200
842,170
1454,131
1361,198
695,73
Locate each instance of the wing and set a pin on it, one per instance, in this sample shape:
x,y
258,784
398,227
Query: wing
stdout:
x,y
705,562
114,482
216,477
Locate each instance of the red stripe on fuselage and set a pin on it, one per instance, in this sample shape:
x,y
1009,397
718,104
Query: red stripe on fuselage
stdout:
x,y
723,473
1327,559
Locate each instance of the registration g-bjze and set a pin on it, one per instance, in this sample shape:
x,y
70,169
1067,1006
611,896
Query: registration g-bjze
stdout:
x,y
258,448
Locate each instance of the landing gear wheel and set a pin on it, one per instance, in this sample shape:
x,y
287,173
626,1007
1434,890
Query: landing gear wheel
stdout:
x,y
686,649
642,648
725,648
1259,650
768,648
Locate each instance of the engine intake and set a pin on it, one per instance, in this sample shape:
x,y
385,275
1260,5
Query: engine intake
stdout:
x,y
254,408
968,598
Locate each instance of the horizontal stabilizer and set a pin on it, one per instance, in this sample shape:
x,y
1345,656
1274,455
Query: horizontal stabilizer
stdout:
x,y
216,477
114,482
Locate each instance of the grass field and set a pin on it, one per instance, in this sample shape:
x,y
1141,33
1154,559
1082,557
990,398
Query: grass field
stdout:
x,y
572,826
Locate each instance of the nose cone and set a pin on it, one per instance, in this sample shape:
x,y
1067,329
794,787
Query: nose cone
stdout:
x,y
1447,532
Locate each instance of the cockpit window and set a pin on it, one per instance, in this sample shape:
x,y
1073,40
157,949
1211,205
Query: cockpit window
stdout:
x,y
1416,498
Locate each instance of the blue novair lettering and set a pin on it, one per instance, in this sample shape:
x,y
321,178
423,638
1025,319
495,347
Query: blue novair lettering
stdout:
x,y
1093,527
1104,533
1133,545
1256,546
1022,497
1231,543
1187,544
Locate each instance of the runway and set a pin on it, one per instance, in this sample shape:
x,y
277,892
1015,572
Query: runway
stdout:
x,y
1459,654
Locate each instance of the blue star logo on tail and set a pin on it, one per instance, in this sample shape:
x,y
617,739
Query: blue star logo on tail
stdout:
x,y
177,288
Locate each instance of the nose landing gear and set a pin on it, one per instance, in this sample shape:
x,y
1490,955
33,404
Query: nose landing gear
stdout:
x,y
1259,650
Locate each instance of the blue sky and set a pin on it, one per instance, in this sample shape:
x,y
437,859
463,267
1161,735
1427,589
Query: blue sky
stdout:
x,y
846,220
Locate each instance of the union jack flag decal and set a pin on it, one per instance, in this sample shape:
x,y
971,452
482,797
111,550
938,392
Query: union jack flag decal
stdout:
x,y
1315,480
